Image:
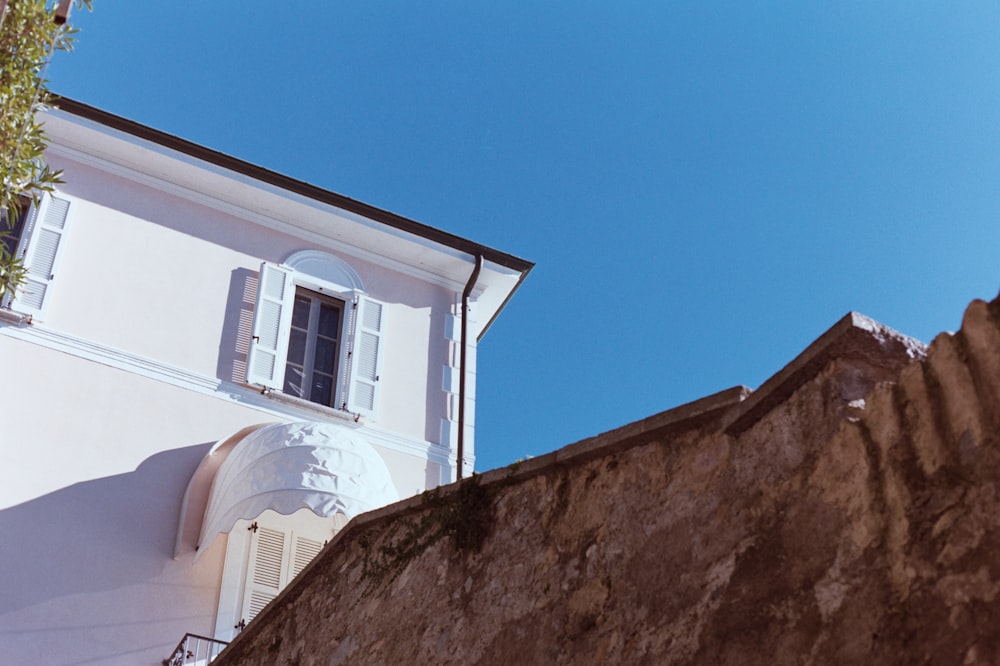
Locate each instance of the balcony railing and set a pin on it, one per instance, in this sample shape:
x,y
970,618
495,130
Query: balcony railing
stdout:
x,y
194,650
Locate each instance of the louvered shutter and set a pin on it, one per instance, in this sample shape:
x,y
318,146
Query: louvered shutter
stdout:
x,y
303,552
44,234
266,571
366,358
350,326
271,321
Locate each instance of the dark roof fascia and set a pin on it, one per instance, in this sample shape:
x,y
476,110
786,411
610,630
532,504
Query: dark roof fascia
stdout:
x,y
291,184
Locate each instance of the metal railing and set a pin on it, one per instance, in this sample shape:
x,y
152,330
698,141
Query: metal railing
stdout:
x,y
194,650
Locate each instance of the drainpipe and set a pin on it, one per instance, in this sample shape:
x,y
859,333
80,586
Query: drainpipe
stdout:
x,y
461,362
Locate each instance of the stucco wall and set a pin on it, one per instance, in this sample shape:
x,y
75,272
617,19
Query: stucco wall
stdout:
x,y
93,470
846,512
191,271
77,420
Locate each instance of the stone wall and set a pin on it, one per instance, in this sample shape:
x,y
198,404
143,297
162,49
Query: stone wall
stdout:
x,y
846,512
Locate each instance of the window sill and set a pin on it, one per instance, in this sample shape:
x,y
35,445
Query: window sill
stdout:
x,y
339,414
15,317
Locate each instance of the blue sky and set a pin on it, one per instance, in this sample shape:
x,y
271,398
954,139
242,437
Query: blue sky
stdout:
x,y
705,186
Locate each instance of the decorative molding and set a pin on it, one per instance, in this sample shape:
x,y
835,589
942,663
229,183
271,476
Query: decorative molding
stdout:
x,y
277,405
111,357
77,115
327,267
142,177
435,453
450,381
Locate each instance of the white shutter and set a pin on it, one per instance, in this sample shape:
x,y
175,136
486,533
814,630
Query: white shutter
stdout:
x,y
276,557
265,572
303,552
271,320
366,358
349,327
44,234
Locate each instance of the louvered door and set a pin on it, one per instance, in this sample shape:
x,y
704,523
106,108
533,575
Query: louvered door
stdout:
x,y
303,552
276,557
266,572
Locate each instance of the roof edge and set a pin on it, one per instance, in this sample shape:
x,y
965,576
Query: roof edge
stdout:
x,y
294,185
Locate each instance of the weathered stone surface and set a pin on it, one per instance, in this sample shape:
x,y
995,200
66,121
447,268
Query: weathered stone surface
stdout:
x,y
846,513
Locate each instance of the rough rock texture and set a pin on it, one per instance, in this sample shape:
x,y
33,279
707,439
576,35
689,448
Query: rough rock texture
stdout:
x,y
847,512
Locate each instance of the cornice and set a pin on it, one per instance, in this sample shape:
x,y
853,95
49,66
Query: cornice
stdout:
x,y
234,165
215,202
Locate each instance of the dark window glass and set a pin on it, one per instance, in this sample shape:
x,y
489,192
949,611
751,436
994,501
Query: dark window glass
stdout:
x,y
300,312
313,347
326,359
294,381
297,347
322,389
11,234
329,320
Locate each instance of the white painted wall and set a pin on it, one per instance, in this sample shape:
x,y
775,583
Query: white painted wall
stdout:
x,y
90,489
190,269
123,388
92,473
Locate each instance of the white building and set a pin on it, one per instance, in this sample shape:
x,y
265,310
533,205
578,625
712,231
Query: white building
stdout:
x,y
180,301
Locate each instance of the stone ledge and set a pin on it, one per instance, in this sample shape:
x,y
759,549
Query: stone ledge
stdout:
x,y
854,337
683,417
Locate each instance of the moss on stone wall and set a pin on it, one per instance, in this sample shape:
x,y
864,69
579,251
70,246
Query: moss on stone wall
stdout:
x,y
464,514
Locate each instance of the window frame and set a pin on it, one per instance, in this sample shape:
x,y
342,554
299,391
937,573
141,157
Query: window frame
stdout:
x,y
358,384
312,335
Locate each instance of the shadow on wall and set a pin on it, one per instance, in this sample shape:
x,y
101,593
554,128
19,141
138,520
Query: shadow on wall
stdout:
x,y
95,535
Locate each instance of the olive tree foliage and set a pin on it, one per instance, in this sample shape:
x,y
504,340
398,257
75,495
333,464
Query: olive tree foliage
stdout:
x,y
29,34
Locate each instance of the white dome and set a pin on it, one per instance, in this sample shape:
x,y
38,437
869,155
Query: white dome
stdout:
x,y
285,467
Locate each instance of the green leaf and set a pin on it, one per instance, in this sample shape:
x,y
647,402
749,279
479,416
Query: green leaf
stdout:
x,y
28,37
